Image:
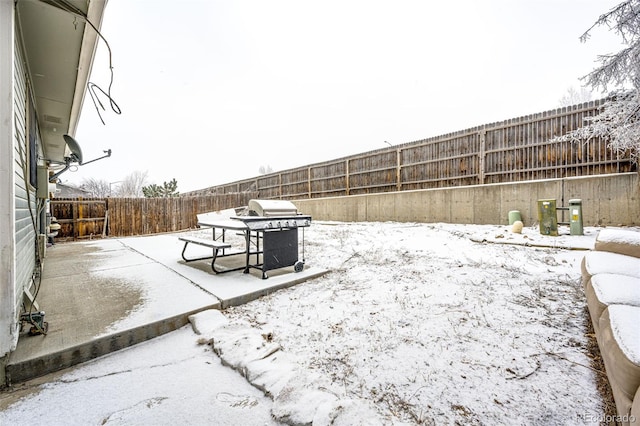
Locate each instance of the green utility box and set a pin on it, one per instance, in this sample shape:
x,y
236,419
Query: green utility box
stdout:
x,y
514,216
575,217
548,217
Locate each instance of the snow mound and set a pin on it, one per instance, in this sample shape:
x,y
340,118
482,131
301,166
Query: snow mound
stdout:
x,y
616,289
605,262
300,398
624,319
623,241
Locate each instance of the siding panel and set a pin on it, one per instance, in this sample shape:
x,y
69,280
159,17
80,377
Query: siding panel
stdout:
x,y
24,195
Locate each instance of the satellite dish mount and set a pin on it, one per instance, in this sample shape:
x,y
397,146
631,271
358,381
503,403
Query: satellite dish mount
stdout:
x,y
75,156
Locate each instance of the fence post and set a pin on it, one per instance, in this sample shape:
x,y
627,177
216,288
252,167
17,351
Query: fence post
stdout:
x,y
346,176
76,215
398,167
481,156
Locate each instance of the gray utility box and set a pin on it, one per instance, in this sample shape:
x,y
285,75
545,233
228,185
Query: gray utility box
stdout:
x,y
575,217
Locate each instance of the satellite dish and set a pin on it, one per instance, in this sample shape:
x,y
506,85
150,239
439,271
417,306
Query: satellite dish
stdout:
x,y
74,157
74,147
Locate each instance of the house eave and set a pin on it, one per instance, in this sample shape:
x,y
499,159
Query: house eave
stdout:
x,y
59,48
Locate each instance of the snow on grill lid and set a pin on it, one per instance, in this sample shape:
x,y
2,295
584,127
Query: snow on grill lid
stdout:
x,y
272,207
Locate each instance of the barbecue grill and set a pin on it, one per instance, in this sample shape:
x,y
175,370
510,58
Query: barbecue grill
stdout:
x,y
276,223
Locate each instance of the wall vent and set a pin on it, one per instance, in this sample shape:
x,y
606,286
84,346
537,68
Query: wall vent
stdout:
x,y
52,119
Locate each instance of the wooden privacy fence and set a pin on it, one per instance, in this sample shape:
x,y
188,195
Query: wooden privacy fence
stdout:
x,y
79,218
514,150
86,218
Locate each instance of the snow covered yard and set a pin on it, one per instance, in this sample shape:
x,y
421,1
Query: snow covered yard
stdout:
x,y
433,326
415,324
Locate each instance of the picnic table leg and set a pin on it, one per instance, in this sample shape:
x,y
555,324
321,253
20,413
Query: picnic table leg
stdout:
x,y
183,250
213,261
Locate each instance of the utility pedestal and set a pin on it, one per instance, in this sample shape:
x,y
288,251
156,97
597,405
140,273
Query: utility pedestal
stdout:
x,y
575,217
548,217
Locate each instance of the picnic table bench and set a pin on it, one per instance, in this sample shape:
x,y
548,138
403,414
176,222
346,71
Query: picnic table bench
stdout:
x,y
211,243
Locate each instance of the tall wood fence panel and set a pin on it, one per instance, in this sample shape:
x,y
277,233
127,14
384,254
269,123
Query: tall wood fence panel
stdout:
x,y
514,150
328,180
79,218
85,218
294,184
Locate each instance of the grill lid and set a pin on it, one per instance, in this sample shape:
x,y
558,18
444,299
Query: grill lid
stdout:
x,y
268,208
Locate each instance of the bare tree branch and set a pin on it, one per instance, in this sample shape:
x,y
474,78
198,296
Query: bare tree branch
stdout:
x,y
132,185
618,122
97,187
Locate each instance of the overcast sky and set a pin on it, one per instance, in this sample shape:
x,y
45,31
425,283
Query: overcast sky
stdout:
x,y
212,90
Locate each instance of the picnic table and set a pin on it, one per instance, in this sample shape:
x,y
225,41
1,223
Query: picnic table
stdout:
x,y
269,231
220,246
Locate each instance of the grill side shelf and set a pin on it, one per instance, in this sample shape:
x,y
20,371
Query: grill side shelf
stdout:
x,y
274,222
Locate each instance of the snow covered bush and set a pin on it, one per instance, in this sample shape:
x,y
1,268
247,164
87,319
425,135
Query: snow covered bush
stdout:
x,y
618,122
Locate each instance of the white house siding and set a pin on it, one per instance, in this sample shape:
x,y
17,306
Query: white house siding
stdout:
x,y
8,312
25,197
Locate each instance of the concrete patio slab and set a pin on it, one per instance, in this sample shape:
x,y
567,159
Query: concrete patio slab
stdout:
x,y
103,295
231,288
